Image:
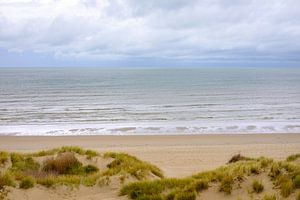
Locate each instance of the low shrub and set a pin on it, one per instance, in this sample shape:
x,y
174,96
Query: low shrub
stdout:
x,y
64,163
257,186
27,182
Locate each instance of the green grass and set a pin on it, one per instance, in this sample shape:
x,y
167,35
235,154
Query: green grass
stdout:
x,y
298,196
3,157
293,157
124,163
63,168
286,188
27,182
225,177
270,197
6,180
257,186
226,184
296,181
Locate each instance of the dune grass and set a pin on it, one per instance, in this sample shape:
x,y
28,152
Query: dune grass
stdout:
x,y
226,177
27,182
293,157
257,186
61,167
124,163
3,157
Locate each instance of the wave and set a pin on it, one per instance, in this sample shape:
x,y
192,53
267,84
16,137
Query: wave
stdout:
x,y
151,128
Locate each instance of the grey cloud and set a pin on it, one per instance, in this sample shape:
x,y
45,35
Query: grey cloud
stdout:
x,y
203,29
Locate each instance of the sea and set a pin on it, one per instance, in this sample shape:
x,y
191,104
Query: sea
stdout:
x,y
61,101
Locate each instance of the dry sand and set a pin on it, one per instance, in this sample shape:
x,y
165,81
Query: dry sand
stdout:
x,y
177,156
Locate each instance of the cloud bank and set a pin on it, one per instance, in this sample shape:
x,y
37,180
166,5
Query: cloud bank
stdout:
x,y
131,30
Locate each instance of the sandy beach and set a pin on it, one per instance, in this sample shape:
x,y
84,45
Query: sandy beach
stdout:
x,y
177,156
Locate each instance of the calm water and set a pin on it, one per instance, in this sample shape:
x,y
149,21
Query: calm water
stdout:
x,y
65,101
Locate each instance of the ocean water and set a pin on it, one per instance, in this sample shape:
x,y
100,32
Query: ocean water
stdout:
x,y
129,101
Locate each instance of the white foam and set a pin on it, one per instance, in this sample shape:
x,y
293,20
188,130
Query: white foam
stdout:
x,y
151,128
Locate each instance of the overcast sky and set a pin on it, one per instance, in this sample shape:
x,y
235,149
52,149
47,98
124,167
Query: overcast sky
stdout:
x,y
149,33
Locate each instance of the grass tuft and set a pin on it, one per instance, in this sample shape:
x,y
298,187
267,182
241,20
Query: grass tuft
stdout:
x,y
293,157
297,181
270,197
3,157
257,186
201,185
27,182
226,184
6,180
286,188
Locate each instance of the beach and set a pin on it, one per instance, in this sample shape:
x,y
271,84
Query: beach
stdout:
x,y
176,155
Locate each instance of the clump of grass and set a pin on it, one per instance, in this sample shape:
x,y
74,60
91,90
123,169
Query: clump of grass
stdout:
x,y
124,163
298,196
23,163
297,181
44,153
74,149
270,197
293,157
27,182
238,157
186,195
90,169
257,186
201,185
6,180
286,188
144,188
90,154
226,184
64,163
3,157
48,181
275,170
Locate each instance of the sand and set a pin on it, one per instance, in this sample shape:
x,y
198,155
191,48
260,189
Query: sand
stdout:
x,y
177,156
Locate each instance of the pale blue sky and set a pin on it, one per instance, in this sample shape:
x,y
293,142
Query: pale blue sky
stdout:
x,y
150,33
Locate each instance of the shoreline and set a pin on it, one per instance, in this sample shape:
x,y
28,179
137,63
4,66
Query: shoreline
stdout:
x,y
176,155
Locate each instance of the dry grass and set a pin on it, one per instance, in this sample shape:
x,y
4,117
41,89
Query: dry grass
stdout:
x,y
257,186
64,163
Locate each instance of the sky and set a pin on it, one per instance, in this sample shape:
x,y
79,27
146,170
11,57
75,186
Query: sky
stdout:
x,y
149,33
